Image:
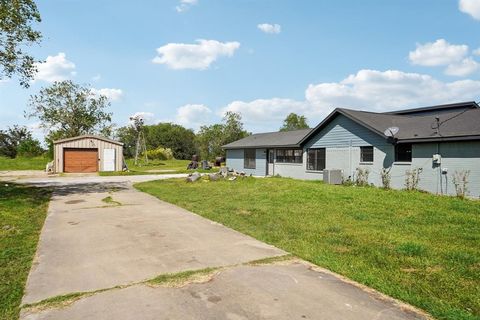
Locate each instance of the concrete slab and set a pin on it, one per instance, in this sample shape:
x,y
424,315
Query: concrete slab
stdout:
x,y
291,291
87,244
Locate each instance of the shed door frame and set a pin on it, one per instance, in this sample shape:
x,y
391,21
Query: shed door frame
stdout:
x,y
81,149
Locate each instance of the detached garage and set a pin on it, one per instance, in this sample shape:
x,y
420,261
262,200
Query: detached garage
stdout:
x,y
87,153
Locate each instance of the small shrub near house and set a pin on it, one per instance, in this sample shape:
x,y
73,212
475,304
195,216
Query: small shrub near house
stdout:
x,y
361,177
160,154
460,180
386,178
412,178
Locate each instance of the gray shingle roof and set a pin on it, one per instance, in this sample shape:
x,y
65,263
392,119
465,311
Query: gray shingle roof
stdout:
x,y
270,139
458,121
451,124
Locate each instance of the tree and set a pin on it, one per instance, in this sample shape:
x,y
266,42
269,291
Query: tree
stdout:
x,y
163,135
18,140
66,109
16,32
173,136
294,122
211,138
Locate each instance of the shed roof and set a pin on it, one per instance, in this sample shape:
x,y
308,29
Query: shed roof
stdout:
x,y
88,136
283,139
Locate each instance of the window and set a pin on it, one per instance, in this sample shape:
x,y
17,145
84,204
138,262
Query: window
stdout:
x,y
366,154
289,155
316,159
249,158
403,152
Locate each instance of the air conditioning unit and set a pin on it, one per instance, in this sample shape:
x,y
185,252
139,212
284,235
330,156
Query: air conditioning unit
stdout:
x,y
333,176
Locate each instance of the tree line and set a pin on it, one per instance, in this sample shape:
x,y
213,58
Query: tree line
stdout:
x,y
66,109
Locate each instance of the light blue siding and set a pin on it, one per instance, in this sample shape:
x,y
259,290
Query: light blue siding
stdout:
x,y
343,132
235,161
456,156
343,138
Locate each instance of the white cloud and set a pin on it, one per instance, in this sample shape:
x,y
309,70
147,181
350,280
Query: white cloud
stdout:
x,y
463,68
55,68
184,5
193,116
387,90
194,56
111,93
476,52
471,7
368,90
437,53
270,28
266,112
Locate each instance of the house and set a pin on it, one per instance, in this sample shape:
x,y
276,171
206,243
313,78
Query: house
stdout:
x,y
441,140
87,153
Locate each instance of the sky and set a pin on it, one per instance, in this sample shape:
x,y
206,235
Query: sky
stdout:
x,y
190,61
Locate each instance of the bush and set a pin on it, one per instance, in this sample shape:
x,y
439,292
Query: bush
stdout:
x,y
30,148
460,180
412,178
160,154
362,177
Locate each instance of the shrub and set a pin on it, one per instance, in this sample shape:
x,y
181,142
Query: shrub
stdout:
x,y
160,154
412,178
30,148
386,178
460,180
361,178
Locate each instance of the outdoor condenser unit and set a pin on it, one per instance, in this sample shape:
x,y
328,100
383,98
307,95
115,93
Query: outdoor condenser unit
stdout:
x,y
332,176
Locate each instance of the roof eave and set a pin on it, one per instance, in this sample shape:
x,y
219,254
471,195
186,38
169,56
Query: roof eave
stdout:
x,y
262,146
88,136
439,139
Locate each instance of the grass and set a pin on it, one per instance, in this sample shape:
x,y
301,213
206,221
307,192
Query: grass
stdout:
x,y
109,200
170,166
35,163
417,247
22,213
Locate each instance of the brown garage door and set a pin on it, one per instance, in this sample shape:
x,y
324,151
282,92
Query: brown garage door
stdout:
x,y
80,160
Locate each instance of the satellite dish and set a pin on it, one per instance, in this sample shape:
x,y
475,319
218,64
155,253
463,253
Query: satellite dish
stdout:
x,y
391,132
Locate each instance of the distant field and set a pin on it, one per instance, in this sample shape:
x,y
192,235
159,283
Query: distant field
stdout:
x,y
417,247
36,163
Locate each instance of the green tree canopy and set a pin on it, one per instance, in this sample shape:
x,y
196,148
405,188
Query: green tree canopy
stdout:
x,y
294,122
18,140
16,33
211,138
66,109
166,135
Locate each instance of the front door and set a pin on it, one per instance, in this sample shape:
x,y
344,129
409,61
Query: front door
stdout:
x,y
270,164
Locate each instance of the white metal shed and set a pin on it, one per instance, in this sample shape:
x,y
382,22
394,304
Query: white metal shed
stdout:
x,y
87,153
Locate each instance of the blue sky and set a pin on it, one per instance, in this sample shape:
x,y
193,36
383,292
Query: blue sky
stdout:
x,y
261,58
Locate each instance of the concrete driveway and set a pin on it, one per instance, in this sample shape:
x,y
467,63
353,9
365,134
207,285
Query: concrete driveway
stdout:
x,y
108,252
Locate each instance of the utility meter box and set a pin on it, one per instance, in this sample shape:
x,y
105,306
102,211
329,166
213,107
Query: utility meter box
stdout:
x,y
437,159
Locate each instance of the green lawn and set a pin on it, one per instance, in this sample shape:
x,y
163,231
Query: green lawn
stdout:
x,y
35,163
156,167
417,247
22,213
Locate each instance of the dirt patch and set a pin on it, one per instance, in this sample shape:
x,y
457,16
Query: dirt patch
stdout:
x,y
74,201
